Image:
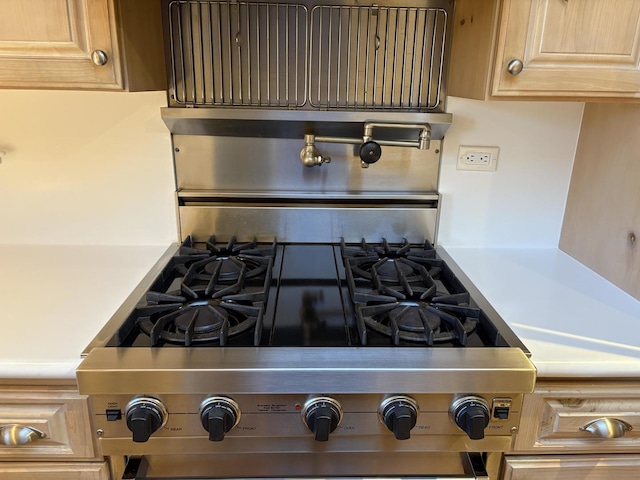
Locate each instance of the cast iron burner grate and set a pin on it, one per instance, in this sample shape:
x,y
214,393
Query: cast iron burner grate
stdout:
x,y
407,294
209,295
176,320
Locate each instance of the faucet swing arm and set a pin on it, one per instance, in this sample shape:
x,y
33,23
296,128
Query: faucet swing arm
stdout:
x,y
370,151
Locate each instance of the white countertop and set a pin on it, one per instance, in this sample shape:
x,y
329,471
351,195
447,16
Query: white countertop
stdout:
x,y
55,299
574,322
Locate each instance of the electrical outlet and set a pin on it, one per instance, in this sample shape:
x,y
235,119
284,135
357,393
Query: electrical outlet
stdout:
x,y
477,158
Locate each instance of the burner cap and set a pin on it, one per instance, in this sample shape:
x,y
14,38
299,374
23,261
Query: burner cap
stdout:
x,y
228,267
388,269
210,317
231,268
408,319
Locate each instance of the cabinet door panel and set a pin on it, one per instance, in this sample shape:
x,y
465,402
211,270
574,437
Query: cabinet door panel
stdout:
x,y
49,43
569,48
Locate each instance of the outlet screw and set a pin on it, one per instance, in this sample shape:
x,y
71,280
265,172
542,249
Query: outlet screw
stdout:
x,y
100,432
177,150
514,430
632,238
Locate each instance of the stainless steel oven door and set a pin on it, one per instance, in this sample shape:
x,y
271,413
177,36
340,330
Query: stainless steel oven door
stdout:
x,y
352,466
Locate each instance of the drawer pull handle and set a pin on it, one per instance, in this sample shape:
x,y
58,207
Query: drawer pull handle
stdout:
x,y
607,428
12,435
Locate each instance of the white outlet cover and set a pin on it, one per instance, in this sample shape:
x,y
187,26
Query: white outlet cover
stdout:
x,y
464,150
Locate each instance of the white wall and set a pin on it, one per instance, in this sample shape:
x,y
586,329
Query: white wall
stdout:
x,y
96,168
85,168
522,203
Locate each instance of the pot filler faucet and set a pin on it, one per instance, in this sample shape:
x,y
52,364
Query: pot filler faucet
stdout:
x,y
370,150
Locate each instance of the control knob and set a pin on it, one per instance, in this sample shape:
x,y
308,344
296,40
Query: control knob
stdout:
x,y
219,415
145,415
322,415
399,414
471,414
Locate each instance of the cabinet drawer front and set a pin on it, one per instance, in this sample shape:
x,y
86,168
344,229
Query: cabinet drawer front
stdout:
x,y
63,417
556,422
570,467
54,471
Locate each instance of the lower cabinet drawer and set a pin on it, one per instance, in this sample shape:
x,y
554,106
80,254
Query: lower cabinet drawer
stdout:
x,y
591,419
45,424
572,467
54,471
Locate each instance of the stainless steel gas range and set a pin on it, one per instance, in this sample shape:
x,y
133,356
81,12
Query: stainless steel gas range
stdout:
x,y
305,325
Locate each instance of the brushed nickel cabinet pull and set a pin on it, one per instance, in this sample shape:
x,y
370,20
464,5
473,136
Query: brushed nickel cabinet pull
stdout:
x,y
607,428
15,434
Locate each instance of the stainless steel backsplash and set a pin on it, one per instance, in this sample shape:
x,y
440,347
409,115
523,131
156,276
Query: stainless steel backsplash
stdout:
x,y
248,80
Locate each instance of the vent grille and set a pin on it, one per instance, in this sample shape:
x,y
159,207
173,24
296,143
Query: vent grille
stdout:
x,y
376,57
239,53
285,55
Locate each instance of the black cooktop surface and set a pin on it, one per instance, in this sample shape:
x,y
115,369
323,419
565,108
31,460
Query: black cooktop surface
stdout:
x,y
252,294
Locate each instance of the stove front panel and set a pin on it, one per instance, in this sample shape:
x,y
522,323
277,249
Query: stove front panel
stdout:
x,y
274,423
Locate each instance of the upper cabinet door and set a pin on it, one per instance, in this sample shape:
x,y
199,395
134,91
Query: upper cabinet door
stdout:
x,y
551,49
586,48
59,43
82,44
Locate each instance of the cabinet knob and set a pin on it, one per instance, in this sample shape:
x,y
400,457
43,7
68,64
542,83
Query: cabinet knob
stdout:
x,y
515,66
607,428
12,435
99,57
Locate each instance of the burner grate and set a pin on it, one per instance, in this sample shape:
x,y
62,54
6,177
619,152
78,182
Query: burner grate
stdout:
x,y
207,296
401,292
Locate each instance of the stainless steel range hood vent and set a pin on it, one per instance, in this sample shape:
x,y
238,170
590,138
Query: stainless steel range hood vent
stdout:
x,y
314,56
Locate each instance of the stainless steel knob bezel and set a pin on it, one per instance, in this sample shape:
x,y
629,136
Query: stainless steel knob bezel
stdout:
x,y
315,402
462,401
150,403
396,398
227,402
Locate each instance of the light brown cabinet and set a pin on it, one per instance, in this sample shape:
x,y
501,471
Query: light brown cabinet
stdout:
x,y
45,432
81,44
601,226
554,440
54,471
573,467
568,49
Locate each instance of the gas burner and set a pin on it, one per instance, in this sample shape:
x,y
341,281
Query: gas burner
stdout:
x,y
207,317
190,253
218,277
233,248
174,319
417,322
385,272
205,297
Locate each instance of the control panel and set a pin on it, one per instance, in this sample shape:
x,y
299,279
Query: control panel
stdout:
x,y
402,418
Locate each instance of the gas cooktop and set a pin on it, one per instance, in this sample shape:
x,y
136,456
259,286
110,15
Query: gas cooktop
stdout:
x,y
236,294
